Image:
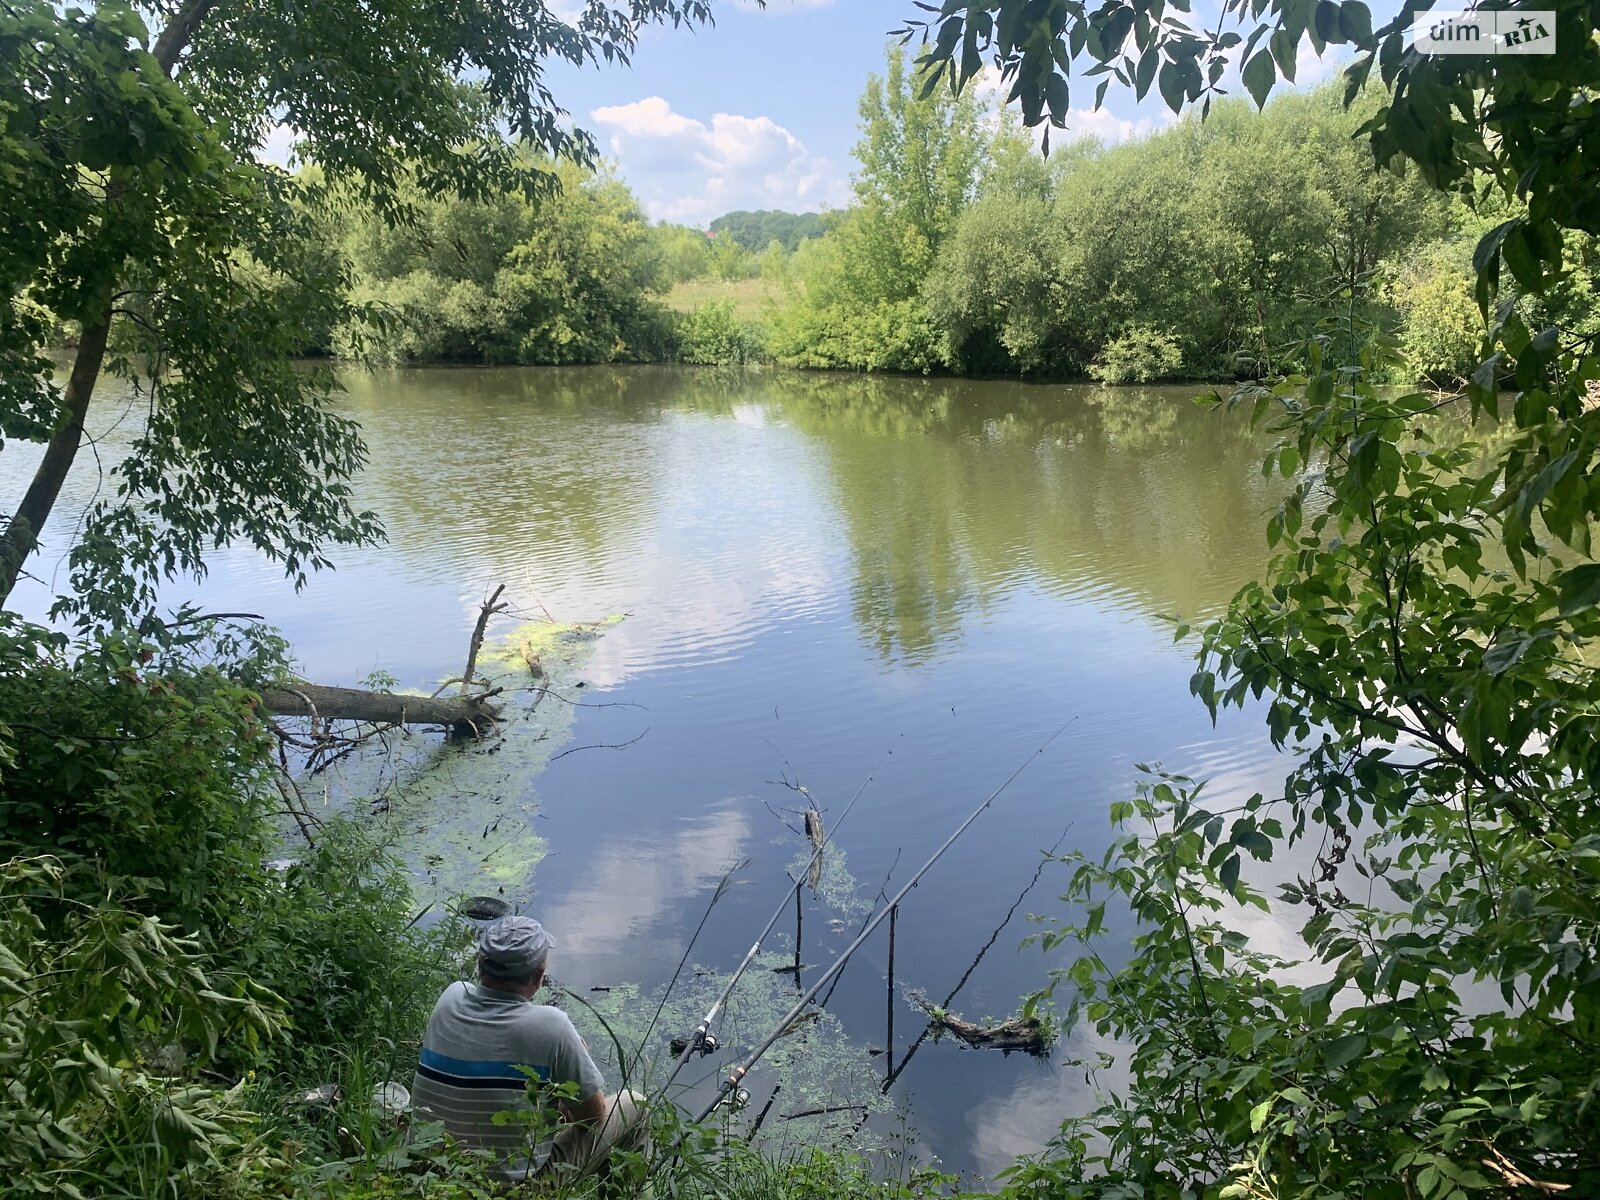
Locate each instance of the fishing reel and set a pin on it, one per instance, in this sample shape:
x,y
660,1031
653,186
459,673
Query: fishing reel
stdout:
x,y
737,1100
708,1044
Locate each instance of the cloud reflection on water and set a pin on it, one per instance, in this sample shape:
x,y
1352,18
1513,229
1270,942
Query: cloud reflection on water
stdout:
x,y
629,883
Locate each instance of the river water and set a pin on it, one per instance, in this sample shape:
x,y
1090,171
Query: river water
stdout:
x,y
817,570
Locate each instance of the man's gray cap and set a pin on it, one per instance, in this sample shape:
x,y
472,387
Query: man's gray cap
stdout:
x,y
514,946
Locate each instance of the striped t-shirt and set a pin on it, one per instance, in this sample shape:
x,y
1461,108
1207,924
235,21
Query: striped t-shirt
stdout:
x,y
477,1038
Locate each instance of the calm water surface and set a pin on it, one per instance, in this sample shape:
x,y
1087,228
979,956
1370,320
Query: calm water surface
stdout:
x,y
817,570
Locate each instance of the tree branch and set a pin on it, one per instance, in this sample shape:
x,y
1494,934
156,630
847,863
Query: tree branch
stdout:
x,y
176,36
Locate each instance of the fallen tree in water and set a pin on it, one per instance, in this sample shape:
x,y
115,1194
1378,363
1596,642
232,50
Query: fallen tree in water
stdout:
x,y
464,716
468,715
1028,1034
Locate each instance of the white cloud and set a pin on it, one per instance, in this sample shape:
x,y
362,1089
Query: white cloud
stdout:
x,y
277,147
1310,68
570,10
1108,127
694,171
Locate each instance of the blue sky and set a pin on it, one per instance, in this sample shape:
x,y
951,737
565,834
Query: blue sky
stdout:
x,y
759,111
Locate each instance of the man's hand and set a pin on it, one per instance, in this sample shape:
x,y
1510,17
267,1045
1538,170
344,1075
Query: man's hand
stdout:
x,y
586,1112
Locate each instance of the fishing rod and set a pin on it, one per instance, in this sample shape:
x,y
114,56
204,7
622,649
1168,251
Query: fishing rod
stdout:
x,y
701,1035
744,1068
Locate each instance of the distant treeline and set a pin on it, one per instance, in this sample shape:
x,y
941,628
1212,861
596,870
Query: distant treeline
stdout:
x,y
757,230
1207,250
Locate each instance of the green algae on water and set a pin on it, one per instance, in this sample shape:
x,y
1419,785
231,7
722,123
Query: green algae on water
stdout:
x,y
816,1068
461,814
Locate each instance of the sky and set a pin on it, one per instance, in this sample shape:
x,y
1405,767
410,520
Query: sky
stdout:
x,y
759,111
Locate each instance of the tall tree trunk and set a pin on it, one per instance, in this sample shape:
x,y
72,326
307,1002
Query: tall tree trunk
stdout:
x,y
21,536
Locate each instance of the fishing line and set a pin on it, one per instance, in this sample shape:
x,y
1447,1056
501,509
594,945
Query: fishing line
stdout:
x,y
722,887
1045,861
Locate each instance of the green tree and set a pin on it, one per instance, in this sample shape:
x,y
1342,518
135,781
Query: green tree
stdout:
x,y
859,299
562,277
756,230
1441,327
1227,238
136,197
999,294
919,155
685,253
727,258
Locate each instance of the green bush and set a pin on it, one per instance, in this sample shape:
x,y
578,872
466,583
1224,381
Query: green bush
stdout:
x,y
95,1022
1441,327
743,1174
136,764
351,969
711,334
1139,355
151,960
565,278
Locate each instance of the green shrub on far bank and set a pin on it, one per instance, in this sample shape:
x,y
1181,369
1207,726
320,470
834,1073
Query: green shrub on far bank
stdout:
x,y
1440,325
712,334
567,276
1139,355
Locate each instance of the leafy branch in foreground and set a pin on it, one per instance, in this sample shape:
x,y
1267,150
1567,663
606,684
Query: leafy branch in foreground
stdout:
x,y
1429,659
89,995
1425,642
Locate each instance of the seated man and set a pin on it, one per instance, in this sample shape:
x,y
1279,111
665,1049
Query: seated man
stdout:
x,y
481,1033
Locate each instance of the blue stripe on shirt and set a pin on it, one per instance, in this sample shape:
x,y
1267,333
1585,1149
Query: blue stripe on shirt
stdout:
x,y
467,1068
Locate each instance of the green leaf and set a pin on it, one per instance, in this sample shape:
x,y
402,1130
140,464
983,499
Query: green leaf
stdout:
x,y
1489,246
1522,256
1259,76
1355,22
1578,589
1535,490
1257,843
1258,1114
1145,73
1284,52
1502,656
1342,1051
1326,22
1229,874
1170,81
